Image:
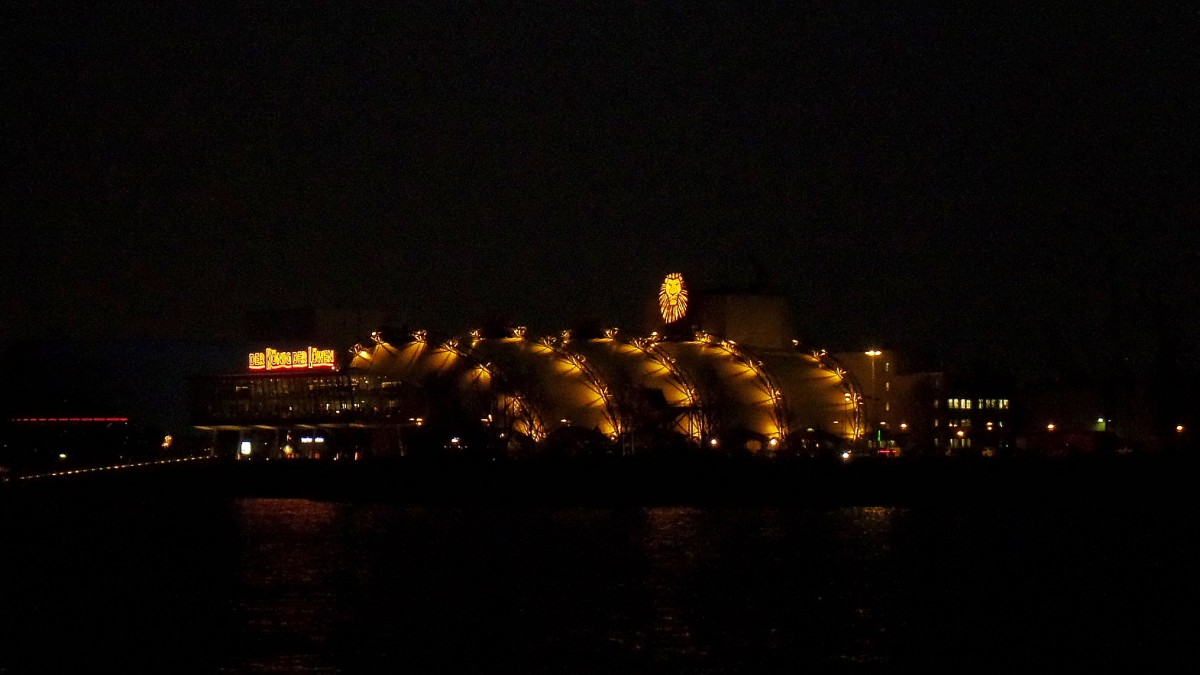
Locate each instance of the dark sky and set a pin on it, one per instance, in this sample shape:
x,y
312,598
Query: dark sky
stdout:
x,y
1017,184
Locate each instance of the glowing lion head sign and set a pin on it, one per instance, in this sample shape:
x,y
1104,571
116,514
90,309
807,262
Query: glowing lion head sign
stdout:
x,y
672,298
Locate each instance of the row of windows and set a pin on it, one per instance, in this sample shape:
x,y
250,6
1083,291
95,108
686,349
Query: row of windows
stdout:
x,y
954,442
965,423
257,387
981,403
267,398
295,409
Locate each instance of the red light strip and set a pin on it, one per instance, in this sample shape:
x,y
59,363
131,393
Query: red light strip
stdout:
x,y
72,419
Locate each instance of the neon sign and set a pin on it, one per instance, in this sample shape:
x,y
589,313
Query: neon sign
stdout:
x,y
272,359
672,298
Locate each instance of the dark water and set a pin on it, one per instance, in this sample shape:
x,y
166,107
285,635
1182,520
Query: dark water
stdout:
x,y
116,583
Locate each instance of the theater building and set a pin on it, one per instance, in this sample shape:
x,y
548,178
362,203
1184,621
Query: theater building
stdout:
x,y
714,374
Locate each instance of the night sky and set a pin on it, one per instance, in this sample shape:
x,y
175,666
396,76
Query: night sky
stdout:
x,y
1016,186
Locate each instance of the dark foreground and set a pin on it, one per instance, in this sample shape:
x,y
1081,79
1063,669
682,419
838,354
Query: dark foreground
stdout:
x,y
215,567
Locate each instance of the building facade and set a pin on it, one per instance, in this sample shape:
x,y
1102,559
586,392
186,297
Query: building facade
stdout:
x,y
506,392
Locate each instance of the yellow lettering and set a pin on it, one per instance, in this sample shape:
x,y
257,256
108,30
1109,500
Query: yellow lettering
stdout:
x,y
311,357
320,358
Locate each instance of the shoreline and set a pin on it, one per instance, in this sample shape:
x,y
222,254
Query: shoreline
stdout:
x,y
647,481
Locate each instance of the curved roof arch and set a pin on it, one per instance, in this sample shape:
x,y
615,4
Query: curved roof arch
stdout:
x,y
819,396
465,386
555,386
642,385
733,389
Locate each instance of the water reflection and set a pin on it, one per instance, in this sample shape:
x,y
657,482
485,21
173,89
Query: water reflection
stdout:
x,y
293,565
270,585
754,587
674,550
586,588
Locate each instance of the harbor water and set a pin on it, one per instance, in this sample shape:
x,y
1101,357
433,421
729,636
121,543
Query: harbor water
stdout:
x,y
172,583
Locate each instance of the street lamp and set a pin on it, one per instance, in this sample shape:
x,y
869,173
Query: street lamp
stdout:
x,y
873,353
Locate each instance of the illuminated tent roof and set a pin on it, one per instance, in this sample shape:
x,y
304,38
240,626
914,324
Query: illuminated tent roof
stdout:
x,y
817,393
734,392
700,387
416,361
555,385
638,377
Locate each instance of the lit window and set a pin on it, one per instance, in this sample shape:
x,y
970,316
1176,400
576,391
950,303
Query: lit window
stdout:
x,y
887,386
887,406
980,404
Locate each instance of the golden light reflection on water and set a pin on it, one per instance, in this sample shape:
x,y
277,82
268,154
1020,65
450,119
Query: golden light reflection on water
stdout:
x,y
291,547
302,586
662,585
822,564
865,538
672,551
876,518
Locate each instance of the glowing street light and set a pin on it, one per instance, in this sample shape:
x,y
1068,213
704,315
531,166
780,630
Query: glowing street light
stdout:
x,y
874,353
